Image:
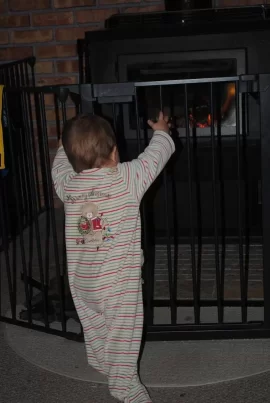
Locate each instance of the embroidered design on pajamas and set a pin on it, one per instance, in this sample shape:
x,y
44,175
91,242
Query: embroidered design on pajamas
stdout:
x,y
93,226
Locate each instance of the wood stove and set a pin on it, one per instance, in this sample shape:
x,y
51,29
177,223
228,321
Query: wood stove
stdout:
x,y
192,44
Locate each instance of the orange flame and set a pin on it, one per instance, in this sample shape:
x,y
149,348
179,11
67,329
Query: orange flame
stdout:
x,y
229,98
225,107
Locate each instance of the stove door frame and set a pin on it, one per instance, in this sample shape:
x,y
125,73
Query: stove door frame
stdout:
x,y
126,60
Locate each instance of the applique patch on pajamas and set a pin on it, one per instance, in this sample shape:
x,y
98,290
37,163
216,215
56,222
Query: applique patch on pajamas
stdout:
x,y
93,226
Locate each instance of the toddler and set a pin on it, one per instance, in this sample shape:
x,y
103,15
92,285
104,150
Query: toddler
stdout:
x,y
103,242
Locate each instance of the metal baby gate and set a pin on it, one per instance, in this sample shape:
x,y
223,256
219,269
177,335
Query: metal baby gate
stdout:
x,y
206,220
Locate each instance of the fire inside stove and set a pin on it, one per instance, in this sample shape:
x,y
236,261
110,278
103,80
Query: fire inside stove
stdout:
x,y
190,104
200,116
197,114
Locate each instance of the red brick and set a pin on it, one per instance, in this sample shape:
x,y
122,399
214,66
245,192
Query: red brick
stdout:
x,y
15,53
53,19
53,145
46,52
72,34
114,2
4,37
73,3
21,5
56,80
32,36
67,66
49,101
10,21
52,131
51,115
147,9
3,5
44,67
95,15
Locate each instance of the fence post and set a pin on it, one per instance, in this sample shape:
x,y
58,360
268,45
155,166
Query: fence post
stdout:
x,y
264,87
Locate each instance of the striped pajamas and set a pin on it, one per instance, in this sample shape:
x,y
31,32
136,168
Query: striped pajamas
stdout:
x,y
103,242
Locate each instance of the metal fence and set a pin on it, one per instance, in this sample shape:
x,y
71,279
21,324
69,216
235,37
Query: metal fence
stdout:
x,y
15,75
180,260
18,74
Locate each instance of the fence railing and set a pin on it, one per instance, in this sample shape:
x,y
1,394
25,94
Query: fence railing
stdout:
x,y
205,220
19,73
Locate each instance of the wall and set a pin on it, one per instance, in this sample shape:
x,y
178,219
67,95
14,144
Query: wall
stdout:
x,y
48,29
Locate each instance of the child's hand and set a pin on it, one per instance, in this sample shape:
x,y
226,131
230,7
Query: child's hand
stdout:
x,y
161,124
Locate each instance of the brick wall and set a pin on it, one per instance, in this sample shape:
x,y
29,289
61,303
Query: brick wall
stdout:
x,y
48,29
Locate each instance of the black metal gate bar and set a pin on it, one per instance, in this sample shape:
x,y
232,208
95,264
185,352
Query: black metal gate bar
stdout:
x,y
168,231
116,94
145,236
246,193
222,260
264,85
191,219
5,248
215,202
240,206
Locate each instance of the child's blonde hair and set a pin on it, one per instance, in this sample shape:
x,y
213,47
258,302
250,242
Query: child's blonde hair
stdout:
x,y
88,141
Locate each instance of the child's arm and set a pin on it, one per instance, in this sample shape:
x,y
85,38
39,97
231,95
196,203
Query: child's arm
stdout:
x,y
146,168
62,171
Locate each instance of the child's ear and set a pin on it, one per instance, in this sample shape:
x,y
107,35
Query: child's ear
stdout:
x,y
114,155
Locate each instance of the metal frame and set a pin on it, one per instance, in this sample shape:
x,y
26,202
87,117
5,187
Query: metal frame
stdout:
x,y
88,99
19,73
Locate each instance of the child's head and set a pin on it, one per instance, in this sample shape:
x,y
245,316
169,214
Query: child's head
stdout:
x,y
89,142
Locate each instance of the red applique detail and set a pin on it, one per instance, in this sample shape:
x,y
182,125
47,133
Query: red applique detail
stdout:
x,y
85,226
97,224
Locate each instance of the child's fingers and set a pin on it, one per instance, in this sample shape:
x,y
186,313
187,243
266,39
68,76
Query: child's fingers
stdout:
x,y
150,123
166,118
161,116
